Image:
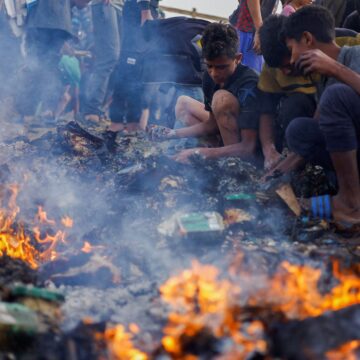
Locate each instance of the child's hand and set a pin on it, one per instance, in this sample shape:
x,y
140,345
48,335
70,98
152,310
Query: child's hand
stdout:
x,y
160,133
315,61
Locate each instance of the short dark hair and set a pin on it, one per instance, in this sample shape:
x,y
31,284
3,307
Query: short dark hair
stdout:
x,y
317,20
272,40
219,40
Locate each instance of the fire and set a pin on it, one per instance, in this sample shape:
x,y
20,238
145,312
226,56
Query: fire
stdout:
x,y
16,242
67,222
205,310
294,291
203,303
87,248
121,345
42,217
205,307
349,351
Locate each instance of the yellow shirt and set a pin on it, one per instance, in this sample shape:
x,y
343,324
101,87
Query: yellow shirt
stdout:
x,y
273,80
348,40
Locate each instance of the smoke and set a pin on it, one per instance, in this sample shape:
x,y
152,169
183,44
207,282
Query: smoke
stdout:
x,y
123,219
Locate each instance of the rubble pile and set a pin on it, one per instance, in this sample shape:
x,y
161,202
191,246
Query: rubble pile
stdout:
x,y
137,217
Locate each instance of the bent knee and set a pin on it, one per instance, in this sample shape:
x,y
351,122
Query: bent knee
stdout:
x,y
182,107
224,101
338,94
302,130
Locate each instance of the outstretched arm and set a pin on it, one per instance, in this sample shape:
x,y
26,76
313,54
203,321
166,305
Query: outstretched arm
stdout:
x,y
267,140
204,128
244,149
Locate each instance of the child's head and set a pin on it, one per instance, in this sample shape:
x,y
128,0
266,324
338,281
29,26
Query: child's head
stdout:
x,y
220,45
308,27
273,46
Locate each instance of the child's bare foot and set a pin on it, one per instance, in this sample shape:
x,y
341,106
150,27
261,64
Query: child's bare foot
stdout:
x,y
133,127
116,127
343,212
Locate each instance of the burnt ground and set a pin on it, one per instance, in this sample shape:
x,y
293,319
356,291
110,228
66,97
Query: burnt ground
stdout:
x,y
119,199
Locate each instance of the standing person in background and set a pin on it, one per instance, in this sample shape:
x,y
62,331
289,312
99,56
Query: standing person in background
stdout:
x,y
128,108
10,59
336,7
293,5
247,24
247,19
48,27
106,18
352,21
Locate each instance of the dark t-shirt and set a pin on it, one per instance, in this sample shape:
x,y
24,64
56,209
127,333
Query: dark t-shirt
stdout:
x,y
243,85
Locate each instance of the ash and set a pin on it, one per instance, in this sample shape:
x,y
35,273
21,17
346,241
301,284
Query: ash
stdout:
x,y
119,200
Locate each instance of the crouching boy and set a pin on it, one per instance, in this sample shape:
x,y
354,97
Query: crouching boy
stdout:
x,y
230,109
333,139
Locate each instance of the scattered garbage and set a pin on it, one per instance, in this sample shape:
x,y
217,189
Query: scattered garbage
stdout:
x,y
46,303
16,321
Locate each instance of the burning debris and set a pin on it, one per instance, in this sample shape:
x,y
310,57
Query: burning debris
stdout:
x,y
218,318
32,245
121,343
118,241
138,218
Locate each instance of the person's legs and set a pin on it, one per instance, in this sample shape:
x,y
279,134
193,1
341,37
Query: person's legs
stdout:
x,y
340,123
346,204
10,59
305,139
226,110
41,79
306,143
127,100
294,106
190,111
107,51
52,87
250,58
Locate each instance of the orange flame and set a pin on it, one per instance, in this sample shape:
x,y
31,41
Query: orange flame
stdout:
x,y
42,217
14,241
121,344
67,221
202,304
349,351
201,301
87,248
294,291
